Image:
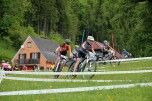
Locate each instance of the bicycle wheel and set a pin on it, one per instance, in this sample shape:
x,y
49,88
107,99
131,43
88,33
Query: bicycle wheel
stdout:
x,y
114,63
91,66
58,69
71,69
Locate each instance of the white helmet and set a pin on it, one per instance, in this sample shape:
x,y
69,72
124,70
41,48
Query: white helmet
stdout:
x,y
76,46
90,38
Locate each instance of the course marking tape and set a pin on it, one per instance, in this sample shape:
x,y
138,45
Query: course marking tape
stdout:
x,y
143,68
60,80
67,90
76,73
140,68
130,59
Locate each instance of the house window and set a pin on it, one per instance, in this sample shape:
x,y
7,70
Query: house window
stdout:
x,y
22,56
29,44
35,55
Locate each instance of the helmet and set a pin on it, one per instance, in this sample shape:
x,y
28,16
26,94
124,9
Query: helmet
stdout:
x,y
67,41
3,61
76,46
90,38
105,41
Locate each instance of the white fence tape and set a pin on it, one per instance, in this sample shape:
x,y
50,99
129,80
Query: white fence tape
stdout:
x,y
78,89
61,80
129,59
76,73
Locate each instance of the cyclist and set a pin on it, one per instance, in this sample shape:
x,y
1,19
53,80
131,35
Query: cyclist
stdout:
x,y
75,51
87,45
106,48
108,52
62,50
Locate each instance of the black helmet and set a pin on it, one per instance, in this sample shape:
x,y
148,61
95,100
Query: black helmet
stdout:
x,y
67,41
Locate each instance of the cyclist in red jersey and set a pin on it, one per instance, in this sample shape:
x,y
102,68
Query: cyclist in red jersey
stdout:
x,y
62,50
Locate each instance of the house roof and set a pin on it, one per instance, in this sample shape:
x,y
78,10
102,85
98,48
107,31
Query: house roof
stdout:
x,y
97,45
47,48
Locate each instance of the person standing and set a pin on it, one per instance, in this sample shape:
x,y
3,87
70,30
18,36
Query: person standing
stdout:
x,y
4,65
125,53
24,68
9,66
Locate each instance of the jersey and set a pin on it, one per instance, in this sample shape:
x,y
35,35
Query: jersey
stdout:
x,y
75,52
5,65
86,46
64,48
106,47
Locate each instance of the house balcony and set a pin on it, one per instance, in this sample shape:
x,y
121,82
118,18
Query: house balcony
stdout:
x,y
27,61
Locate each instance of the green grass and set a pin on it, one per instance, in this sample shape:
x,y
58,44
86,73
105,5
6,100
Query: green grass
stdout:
x,y
135,65
126,94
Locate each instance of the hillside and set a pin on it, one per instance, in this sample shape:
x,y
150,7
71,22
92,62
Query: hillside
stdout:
x,y
121,22
6,54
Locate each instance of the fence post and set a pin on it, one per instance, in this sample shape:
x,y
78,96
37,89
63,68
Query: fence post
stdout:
x,y
2,74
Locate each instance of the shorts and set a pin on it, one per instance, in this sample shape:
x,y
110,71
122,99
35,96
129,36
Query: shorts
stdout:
x,y
105,52
81,54
63,53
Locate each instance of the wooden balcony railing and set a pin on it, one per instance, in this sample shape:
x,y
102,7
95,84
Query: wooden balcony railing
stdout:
x,y
27,61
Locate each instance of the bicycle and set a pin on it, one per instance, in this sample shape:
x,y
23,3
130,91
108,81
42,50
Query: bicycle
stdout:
x,y
110,56
87,64
60,64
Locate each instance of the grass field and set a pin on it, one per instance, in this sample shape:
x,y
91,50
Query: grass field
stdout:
x,y
136,93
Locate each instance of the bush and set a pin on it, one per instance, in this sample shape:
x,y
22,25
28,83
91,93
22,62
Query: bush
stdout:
x,y
4,57
58,38
8,42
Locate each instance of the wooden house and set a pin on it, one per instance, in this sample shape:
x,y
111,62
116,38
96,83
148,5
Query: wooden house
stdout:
x,y
36,52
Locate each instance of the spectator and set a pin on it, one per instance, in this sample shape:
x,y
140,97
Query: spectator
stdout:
x,y
15,68
37,67
4,65
125,53
9,66
24,68
130,55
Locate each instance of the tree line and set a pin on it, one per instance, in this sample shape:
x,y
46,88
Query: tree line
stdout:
x,y
128,20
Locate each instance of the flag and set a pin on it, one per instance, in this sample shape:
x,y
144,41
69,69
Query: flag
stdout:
x,y
112,36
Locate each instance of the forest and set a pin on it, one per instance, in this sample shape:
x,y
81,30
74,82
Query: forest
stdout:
x,y
126,23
